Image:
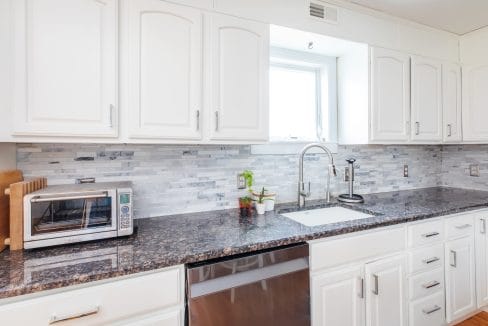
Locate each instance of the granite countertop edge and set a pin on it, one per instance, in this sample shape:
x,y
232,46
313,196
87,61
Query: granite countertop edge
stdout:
x,y
14,288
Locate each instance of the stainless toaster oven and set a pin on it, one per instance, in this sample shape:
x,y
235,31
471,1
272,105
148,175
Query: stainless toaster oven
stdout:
x,y
79,212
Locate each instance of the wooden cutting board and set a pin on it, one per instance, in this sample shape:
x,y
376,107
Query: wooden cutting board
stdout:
x,y
6,179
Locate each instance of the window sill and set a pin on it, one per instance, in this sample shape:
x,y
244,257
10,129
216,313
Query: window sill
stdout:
x,y
288,148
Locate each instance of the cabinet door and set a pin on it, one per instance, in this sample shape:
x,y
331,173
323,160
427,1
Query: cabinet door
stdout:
x,y
165,70
65,67
386,294
390,96
451,102
338,298
475,103
238,51
481,261
460,278
426,100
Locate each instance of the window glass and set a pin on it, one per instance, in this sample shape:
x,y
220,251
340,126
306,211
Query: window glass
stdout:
x,y
294,103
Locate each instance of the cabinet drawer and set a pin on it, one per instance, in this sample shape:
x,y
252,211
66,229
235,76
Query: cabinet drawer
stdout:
x,y
425,233
425,284
429,311
460,226
100,304
329,253
426,259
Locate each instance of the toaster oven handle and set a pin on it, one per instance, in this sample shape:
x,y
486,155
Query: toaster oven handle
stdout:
x,y
39,199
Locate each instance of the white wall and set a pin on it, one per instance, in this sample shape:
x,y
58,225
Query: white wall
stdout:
x,y
354,24
474,47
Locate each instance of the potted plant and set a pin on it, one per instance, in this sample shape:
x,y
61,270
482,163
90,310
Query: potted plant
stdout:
x,y
269,199
260,202
245,206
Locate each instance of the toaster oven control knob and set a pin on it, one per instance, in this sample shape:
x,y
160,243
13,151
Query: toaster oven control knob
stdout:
x,y
125,209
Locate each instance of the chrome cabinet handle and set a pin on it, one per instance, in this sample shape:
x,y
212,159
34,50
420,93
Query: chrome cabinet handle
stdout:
x,y
59,318
432,234
361,288
111,122
431,284
432,310
454,260
417,128
449,130
483,226
464,226
198,120
431,260
216,120
376,285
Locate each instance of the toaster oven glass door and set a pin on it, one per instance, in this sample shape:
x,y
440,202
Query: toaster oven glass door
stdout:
x,y
63,216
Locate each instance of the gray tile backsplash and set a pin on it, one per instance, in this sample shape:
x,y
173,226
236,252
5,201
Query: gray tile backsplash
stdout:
x,y
456,161
171,179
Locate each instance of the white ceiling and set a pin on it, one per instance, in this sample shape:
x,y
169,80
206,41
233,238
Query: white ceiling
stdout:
x,y
455,16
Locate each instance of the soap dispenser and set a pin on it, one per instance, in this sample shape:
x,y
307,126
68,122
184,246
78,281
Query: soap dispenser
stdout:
x,y
351,197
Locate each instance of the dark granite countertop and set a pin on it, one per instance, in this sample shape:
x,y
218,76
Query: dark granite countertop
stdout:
x,y
189,238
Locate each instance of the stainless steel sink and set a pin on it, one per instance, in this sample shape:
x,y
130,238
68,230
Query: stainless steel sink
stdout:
x,y
321,216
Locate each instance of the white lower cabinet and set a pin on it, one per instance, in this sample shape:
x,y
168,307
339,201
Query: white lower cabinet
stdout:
x,y
431,273
151,299
373,294
481,262
460,278
338,297
386,292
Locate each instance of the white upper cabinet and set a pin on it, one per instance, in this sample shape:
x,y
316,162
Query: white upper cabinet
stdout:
x,y
165,70
426,99
390,96
238,79
386,296
65,67
451,102
475,103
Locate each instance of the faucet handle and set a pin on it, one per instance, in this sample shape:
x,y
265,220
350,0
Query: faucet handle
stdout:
x,y
302,192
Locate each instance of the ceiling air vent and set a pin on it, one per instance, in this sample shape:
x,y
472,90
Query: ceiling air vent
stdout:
x,y
323,12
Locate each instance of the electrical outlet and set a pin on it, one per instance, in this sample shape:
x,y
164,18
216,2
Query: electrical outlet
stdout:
x,y
474,170
241,181
405,170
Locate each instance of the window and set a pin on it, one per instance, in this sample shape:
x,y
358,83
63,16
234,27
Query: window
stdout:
x,y
302,97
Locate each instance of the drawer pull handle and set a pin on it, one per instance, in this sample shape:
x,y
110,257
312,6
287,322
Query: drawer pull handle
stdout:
x,y
464,226
431,284
376,290
432,234
483,226
432,310
431,260
453,263
56,319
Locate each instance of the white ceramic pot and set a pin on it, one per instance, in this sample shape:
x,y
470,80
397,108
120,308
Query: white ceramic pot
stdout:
x,y
260,208
269,203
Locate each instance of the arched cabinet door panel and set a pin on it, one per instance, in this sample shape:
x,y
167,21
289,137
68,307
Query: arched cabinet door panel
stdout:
x,y
165,70
238,78
65,67
390,96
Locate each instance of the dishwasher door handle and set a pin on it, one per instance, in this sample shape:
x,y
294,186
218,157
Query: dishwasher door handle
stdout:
x,y
248,277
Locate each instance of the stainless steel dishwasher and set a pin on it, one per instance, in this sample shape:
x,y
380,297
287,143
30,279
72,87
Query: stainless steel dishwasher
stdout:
x,y
265,288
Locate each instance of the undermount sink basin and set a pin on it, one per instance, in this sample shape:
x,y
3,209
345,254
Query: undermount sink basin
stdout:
x,y
321,216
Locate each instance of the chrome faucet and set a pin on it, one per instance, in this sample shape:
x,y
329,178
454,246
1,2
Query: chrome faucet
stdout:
x,y
302,194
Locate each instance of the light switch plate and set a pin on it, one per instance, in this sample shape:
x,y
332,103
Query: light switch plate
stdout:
x,y
241,181
474,170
